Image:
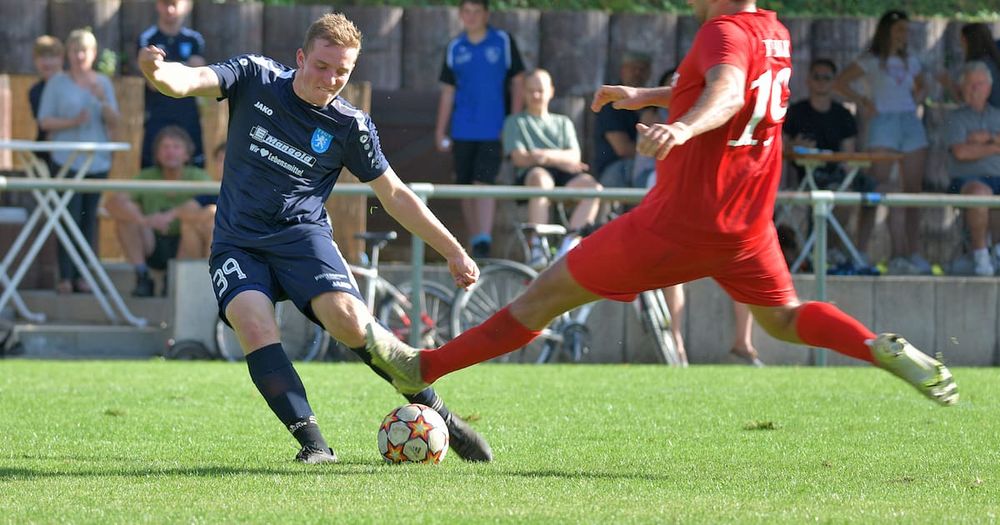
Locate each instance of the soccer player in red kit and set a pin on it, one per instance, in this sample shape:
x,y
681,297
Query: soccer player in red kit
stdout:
x,y
709,215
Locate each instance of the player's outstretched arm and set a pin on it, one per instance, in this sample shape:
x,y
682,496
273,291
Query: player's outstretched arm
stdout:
x,y
175,79
413,214
628,97
721,99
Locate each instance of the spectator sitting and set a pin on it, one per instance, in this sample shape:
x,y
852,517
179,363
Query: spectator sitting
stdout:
x,y
973,137
154,227
977,45
48,55
819,122
181,44
544,149
614,132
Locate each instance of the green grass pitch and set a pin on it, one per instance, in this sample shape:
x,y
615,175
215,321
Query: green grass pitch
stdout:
x,y
168,442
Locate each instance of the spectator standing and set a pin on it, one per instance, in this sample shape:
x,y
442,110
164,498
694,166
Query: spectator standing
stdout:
x,y
155,227
482,68
79,105
973,137
977,45
48,55
181,44
896,85
614,132
546,153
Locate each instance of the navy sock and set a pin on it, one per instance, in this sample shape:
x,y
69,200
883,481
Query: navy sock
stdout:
x,y
277,381
426,396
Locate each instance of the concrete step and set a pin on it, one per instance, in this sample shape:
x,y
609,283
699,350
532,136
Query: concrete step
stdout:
x,y
75,341
80,308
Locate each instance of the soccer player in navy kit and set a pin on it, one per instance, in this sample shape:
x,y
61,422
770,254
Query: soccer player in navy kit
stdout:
x,y
290,134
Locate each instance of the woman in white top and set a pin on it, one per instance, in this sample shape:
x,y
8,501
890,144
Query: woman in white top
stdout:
x,y
896,84
79,106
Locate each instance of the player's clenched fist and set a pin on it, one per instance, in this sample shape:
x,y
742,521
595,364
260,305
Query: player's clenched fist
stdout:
x,y
620,97
464,270
657,140
150,58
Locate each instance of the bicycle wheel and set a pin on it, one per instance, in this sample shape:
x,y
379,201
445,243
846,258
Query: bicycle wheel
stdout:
x,y
394,313
302,339
226,343
656,321
499,283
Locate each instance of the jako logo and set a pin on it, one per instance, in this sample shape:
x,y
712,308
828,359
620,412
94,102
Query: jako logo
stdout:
x,y
266,110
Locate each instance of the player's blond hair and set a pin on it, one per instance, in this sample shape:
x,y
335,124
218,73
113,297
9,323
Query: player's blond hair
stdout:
x,y
336,29
47,46
83,38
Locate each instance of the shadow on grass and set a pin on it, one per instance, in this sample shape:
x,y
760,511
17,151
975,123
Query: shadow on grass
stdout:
x,y
11,474
563,474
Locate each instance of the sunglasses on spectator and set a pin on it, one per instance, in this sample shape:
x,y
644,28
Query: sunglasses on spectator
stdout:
x,y
821,77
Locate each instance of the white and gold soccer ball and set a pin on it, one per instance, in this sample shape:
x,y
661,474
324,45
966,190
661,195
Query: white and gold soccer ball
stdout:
x,y
413,433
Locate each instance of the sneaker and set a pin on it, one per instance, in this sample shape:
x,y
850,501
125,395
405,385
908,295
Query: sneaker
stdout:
x,y
398,360
737,357
902,266
922,265
568,243
538,259
143,285
481,249
466,442
926,374
983,263
315,456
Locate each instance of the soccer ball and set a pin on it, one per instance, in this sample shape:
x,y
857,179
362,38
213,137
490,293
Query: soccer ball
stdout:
x,y
413,433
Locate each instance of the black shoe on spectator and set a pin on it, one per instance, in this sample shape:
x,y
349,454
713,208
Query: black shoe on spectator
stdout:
x,y
481,250
143,285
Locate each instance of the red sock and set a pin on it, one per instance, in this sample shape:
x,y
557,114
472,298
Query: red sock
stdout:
x,y
824,325
498,335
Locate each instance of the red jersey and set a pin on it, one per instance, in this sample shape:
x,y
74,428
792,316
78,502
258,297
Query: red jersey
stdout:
x,y
720,186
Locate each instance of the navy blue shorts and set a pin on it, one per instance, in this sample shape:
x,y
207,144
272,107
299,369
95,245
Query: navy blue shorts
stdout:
x,y
298,271
956,183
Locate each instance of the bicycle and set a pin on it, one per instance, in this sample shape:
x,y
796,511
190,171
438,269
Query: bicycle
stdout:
x,y
568,337
390,304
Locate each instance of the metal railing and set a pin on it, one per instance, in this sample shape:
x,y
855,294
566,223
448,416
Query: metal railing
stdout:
x,y
822,203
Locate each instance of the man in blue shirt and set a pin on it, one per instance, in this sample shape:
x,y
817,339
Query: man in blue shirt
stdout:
x,y
482,70
180,44
290,135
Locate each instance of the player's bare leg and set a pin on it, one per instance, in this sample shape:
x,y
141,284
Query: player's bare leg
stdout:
x,y
346,318
552,293
824,325
251,314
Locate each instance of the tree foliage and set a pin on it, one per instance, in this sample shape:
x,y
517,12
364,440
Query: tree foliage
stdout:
x,y
964,9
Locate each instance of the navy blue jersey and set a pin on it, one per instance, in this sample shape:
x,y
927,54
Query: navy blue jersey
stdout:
x,y
284,155
178,48
161,110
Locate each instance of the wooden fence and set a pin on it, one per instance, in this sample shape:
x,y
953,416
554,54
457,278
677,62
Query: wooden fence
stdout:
x,y
403,48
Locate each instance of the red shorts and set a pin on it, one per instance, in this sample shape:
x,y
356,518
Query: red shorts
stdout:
x,y
622,259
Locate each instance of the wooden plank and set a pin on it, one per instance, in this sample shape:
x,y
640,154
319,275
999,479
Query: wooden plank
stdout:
x,y
18,38
236,28
426,32
687,27
348,213
285,28
136,16
381,61
653,34
102,16
6,111
525,26
575,49
800,30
